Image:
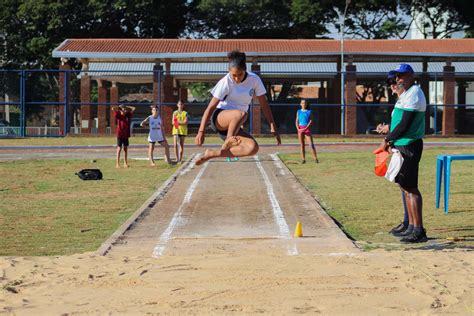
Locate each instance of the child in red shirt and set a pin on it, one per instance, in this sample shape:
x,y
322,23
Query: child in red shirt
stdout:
x,y
123,115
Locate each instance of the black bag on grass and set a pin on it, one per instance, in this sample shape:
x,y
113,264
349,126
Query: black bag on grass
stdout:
x,y
90,174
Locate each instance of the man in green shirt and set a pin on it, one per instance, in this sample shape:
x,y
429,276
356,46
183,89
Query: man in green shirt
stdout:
x,y
407,129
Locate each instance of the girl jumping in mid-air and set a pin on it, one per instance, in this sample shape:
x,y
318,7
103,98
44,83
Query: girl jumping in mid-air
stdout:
x,y
228,109
303,123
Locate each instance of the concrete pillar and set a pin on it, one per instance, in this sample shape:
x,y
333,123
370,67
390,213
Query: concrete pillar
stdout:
x,y
425,87
157,77
86,123
102,106
183,94
163,92
350,119
448,99
114,99
463,123
333,115
62,84
169,97
256,109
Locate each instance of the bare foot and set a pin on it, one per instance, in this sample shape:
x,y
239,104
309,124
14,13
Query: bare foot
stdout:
x,y
125,165
207,155
231,142
152,164
117,166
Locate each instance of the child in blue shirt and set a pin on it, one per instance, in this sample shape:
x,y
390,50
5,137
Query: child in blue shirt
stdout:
x,y
303,126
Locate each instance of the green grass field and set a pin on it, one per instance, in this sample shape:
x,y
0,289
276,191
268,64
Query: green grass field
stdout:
x,y
45,209
368,206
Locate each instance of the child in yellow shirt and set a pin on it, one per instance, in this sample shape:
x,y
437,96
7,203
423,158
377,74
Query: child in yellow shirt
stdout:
x,y
180,130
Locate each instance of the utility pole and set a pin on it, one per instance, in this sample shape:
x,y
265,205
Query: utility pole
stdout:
x,y
343,106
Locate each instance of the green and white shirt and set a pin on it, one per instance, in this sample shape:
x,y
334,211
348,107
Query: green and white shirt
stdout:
x,y
414,100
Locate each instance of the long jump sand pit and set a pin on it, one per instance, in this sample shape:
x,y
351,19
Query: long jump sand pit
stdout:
x,y
221,242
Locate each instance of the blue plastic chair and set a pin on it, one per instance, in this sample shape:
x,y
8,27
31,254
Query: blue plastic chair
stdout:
x,y
443,166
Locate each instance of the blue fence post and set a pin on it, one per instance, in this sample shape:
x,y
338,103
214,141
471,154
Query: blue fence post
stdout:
x,y
66,103
22,103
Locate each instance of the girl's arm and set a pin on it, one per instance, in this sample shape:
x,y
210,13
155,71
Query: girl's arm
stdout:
x,y
296,122
145,121
267,112
310,122
199,140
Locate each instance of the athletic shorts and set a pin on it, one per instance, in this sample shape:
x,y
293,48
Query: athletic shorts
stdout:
x,y
306,132
122,142
222,134
408,175
159,142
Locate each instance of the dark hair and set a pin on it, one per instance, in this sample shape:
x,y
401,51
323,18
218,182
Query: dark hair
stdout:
x,y
237,59
390,81
306,102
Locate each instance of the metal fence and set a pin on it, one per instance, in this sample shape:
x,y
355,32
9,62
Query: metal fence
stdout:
x,y
34,103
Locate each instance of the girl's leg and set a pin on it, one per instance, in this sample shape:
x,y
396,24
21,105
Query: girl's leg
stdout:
x,y
175,145
117,160
181,147
246,147
302,147
313,148
231,120
165,145
151,148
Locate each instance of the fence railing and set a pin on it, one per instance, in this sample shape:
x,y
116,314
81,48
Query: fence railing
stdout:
x,y
35,89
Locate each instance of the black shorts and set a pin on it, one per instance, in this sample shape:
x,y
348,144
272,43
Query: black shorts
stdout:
x,y
122,142
222,134
160,142
408,175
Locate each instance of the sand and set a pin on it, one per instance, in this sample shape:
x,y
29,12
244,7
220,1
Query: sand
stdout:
x,y
377,282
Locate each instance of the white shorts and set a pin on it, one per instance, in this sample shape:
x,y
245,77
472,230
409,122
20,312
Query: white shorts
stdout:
x,y
155,136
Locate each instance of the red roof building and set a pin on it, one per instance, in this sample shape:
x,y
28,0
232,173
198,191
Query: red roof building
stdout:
x,y
167,85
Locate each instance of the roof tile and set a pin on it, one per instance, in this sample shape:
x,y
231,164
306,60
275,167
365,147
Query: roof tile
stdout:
x,y
150,46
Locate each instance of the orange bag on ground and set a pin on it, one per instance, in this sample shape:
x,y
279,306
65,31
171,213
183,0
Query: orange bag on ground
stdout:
x,y
381,157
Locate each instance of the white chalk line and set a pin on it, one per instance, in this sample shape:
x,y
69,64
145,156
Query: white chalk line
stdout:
x,y
277,211
190,165
277,163
177,219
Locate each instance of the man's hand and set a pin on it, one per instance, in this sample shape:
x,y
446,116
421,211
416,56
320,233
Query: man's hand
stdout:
x,y
385,145
382,128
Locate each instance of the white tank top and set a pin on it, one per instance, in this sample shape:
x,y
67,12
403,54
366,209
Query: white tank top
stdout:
x,y
155,134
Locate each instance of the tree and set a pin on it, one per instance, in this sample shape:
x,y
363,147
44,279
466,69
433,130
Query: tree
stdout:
x,y
441,18
32,29
372,19
258,19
